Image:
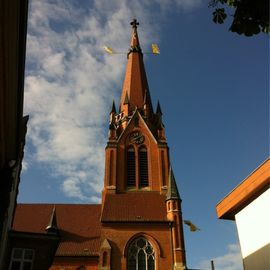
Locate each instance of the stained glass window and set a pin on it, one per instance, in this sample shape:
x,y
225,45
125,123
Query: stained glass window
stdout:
x,y
141,255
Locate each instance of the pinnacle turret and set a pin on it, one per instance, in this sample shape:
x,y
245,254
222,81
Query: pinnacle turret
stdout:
x,y
172,193
126,99
158,111
52,225
113,110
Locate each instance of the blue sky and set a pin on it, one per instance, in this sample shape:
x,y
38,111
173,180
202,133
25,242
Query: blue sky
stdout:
x,y
212,86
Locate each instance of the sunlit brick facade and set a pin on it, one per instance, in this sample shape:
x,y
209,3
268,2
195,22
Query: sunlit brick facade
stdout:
x,y
138,225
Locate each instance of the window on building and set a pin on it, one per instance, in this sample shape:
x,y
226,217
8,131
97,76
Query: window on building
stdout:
x,y
143,167
141,255
131,170
21,259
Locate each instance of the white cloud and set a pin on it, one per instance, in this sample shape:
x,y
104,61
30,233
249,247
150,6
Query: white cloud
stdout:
x,y
232,260
24,165
70,83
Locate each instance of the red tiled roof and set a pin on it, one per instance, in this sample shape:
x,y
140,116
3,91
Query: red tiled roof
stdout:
x,y
135,207
78,224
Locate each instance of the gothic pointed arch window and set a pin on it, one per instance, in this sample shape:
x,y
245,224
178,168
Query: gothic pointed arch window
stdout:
x,y
141,255
143,167
131,167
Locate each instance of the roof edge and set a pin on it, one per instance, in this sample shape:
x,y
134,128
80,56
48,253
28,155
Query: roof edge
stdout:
x,y
248,190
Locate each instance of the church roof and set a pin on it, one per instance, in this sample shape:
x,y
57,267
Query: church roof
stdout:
x,y
78,224
135,207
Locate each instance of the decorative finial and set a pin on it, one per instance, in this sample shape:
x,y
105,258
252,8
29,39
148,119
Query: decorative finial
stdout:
x,y
52,226
134,23
158,111
126,99
145,97
113,110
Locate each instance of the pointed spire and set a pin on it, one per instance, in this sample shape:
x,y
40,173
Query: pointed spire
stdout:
x,y
158,111
126,99
146,105
52,226
145,97
112,120
172,193
111,126
135,83
113,110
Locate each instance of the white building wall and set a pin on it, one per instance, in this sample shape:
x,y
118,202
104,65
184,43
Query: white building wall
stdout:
x,y
253,225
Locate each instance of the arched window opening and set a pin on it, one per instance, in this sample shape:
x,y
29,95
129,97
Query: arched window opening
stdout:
x,y
104,258
131,171
143,167
141,255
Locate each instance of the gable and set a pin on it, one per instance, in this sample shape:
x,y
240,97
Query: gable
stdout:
x,y
137,123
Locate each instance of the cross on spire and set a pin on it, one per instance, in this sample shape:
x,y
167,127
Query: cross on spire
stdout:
x,y
134,23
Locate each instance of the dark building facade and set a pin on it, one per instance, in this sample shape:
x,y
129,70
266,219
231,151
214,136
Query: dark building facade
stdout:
x,y
13,21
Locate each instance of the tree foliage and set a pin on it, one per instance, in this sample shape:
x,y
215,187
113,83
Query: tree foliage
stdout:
x,y
250,17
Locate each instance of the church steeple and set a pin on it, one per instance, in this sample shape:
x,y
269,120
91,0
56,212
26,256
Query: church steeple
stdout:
x,y
135,86
138,181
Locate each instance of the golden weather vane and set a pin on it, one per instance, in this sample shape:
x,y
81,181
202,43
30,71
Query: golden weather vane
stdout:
x,y
154,47
134,23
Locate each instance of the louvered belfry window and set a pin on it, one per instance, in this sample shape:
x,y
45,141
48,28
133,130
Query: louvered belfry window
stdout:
x,y
143,167
131,168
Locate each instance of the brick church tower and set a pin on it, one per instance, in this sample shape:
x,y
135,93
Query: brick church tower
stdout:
x,y
138,225
141,220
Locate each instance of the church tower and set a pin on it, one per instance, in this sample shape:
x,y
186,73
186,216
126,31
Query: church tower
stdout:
x,y
141,220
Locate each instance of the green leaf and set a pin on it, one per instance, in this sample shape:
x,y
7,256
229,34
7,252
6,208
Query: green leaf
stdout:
x,y
265,29
231,3
219,15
